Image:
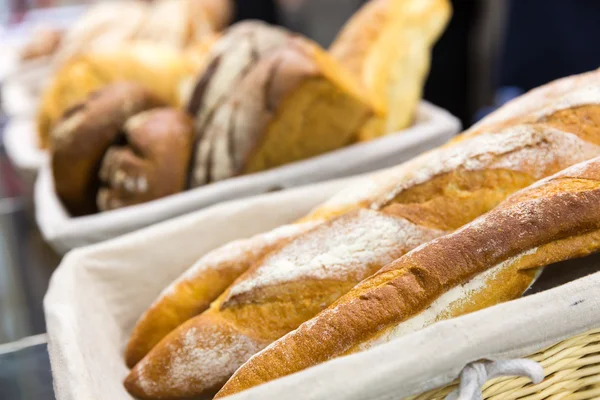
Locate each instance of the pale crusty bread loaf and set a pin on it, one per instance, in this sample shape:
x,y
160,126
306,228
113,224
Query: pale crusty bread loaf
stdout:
x,y
400,208
553,220
104,24
176,23
387,46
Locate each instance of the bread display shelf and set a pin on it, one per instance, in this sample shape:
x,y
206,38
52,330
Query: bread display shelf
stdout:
x,y
98,292
433,127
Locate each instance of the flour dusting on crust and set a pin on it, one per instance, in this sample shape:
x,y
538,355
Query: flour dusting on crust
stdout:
x,y
543,101
236,250
203,360
347,247
525,148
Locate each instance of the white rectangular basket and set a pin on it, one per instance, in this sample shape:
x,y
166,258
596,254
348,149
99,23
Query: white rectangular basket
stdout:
x,y
99,291
433,127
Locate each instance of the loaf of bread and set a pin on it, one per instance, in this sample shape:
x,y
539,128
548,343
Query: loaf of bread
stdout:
x,y
387,46
229,60
491,260
368,226
119,148
291,103
150,162
234,55
157,68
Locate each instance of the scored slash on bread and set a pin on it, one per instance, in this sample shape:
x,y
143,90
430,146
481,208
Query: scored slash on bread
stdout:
x,y
435,193
553,220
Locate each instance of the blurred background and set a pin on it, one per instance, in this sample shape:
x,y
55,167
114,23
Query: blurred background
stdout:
x,y
492,51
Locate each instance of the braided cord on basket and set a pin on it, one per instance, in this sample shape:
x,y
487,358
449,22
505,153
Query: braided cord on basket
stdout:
x,y
571,367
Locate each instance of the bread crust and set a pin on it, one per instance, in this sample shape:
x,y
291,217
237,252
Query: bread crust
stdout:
x,y
289,97
561,209
153,162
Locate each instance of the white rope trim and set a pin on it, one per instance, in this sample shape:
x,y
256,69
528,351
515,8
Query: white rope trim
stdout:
x,y
24,343
476,374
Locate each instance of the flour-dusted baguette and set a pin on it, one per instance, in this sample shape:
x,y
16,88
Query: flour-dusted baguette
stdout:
x,y
193,292
479,265
373,223
387,46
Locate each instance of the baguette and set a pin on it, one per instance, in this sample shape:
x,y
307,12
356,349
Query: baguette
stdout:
x,y
193,292
495,257
368,226
387,46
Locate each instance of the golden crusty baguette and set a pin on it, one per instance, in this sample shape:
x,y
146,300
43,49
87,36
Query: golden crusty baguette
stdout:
x,y
553,220
568,104
193,292
400,208
387,46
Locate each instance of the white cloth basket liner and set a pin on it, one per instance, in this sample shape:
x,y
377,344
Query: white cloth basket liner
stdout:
x,y
99,291
434,127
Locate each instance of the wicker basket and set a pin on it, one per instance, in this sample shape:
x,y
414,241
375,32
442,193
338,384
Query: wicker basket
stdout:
x,y
571,367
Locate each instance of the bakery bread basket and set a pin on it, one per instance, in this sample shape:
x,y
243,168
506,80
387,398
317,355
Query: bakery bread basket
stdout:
x,y
98,292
